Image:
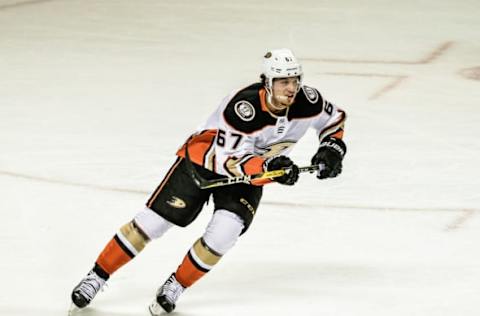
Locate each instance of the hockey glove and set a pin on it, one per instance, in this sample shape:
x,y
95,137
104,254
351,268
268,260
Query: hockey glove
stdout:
x,y
330,155
283,162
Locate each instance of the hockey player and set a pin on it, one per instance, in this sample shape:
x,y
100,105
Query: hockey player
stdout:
x,y
251,131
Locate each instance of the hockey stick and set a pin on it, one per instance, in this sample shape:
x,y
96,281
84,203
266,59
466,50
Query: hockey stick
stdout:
x,y
208,184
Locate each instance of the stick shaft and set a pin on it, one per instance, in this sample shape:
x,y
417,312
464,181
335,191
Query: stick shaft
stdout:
x,y
207,184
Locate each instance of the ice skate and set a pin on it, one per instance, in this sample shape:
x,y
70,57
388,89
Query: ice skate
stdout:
x,y
167,295
86,290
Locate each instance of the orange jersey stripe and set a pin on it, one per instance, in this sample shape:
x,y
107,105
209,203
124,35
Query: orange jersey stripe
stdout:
x,y
260,182
253,165
198,146
338,134
263,100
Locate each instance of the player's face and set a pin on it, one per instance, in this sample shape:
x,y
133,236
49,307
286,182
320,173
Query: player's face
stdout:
x,y
284,91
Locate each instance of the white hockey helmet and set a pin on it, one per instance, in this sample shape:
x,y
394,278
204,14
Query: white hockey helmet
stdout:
x,y
280,63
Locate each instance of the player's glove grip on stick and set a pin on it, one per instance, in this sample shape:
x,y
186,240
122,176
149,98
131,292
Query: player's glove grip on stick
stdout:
x,y
283,162
330,154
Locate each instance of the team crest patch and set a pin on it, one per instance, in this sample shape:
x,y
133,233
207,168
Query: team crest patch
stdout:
x,y
311,94
245,110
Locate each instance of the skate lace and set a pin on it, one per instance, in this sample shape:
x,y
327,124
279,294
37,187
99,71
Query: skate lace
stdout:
x,y
172,289
91,285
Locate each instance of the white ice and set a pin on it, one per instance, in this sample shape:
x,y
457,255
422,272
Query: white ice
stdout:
x,y
96,96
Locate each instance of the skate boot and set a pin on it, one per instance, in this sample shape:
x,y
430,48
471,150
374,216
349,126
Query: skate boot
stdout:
x,y
167,295
86,290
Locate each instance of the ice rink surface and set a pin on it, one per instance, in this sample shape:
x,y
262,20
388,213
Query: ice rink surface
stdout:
x,y
96,96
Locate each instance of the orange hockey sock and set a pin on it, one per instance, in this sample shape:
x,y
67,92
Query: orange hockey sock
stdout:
x,y
114,256
196,263
122,248
188,272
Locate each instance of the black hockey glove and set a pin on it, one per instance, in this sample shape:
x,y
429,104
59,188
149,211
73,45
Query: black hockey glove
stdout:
x,y
280,162
330,155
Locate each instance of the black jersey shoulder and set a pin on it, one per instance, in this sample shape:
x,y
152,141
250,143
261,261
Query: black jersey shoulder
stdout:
x,y
244,111
308,103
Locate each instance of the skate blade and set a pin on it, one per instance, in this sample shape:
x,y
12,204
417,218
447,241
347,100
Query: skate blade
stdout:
x,y
155,309
72,310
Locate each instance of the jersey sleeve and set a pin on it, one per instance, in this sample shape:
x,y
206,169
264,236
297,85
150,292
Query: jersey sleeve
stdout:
x,y
331,122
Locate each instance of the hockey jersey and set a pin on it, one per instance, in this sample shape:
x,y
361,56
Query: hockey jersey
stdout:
x,y
242,133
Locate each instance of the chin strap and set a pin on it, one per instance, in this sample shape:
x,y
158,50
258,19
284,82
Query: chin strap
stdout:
x,y
269,94
269,98
268,89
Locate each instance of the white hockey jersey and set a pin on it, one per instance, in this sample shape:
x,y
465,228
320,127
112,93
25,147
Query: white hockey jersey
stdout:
x,y
242,133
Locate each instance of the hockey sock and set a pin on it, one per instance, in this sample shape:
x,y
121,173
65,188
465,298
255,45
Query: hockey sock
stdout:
x,y
122,248
197,262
